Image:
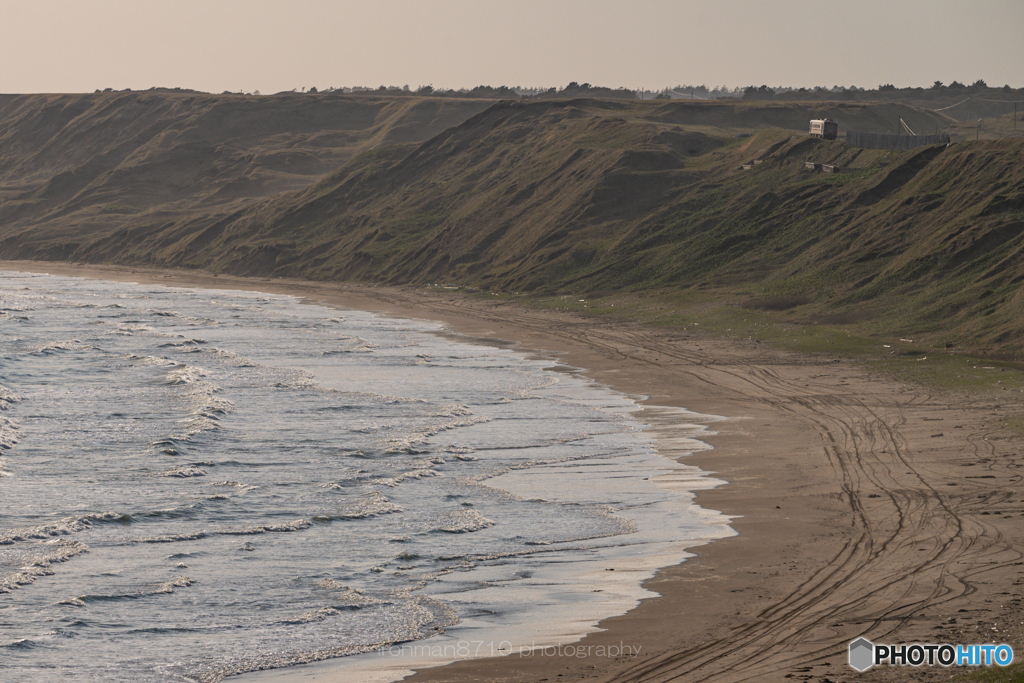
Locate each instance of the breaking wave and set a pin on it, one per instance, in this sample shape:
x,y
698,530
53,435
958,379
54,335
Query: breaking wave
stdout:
x,y
464,522
39,563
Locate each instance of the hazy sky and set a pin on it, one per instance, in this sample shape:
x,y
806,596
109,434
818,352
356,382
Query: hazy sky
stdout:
x,y
274,45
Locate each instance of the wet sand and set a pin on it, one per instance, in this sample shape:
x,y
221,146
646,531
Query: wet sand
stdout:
x,y
864,506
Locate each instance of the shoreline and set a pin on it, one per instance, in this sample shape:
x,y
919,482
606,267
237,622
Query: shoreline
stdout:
x,y
564,613
853,511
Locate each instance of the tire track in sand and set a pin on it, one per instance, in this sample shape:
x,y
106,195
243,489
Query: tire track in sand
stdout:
x,y
910,547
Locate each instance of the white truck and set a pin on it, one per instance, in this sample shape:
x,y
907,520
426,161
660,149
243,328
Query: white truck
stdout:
x,y
826,129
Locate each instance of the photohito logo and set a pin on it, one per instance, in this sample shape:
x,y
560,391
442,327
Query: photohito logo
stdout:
x,y
864,654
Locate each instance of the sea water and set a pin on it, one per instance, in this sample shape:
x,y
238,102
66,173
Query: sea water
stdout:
x,y
199,483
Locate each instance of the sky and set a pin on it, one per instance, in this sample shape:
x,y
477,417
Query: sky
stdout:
x,y
276,45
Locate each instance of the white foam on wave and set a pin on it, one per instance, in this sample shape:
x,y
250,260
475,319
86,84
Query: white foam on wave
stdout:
x,y
453,410
176,582
407,443
7,398
369,396
317,615
346,344
411,475
62,527
420,617
131,329
239,486
201,397
163,588
39,563
179,318
185,374
463,453
8,433
347,594
372,505
464,522
297,525
174,538
152,361
185,472
238,359
63,345
533,384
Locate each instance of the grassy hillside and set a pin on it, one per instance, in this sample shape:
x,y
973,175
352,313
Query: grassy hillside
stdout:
x,y
74,168
592,197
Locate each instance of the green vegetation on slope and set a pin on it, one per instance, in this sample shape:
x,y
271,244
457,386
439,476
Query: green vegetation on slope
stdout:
x,y
81,176
692,200
590,196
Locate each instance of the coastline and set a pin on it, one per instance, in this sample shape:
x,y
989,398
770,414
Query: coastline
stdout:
x,y
853,518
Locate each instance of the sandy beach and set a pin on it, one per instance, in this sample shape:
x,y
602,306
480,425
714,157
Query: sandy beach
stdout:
x,y
864,506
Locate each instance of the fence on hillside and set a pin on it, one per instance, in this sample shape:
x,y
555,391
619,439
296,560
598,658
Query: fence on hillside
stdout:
x,y
890,141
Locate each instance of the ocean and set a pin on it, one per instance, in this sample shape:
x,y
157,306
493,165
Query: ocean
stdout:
x,y
198,483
